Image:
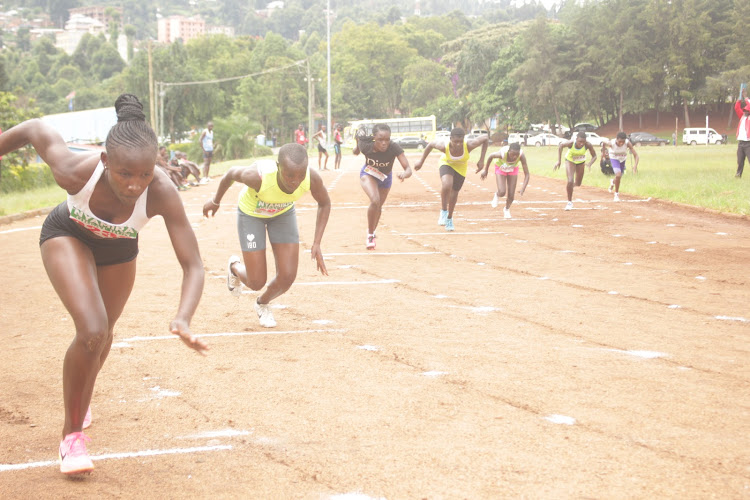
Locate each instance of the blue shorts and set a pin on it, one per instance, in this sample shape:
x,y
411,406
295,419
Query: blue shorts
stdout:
x,y
252,230
384,184
618,166
337,148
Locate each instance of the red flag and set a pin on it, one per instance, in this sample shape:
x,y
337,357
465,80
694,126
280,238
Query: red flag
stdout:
x,y
71,95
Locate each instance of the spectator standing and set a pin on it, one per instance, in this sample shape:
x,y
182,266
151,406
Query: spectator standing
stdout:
x,y
207,143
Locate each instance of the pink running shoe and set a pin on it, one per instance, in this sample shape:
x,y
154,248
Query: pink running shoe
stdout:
x,y
87,419
370,242
74,459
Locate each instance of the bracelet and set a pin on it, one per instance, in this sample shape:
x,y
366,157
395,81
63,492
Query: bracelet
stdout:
x,y
212,201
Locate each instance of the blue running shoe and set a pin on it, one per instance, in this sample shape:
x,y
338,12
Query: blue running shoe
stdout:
x,y
449,225
443,217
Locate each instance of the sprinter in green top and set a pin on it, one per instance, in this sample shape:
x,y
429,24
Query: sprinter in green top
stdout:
x,y
574,162
267,204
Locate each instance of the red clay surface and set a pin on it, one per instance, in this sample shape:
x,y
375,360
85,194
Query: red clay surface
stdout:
x,y
596,353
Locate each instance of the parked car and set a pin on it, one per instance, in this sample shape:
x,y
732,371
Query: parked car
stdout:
x,y
443,135
595,139
697,135
586,127
544,139
518,137
411,142
646,139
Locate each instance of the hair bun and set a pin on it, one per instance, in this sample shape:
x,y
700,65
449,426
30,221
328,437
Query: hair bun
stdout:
x,y
129,108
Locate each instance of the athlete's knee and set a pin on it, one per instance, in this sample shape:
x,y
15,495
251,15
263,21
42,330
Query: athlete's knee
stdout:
x,y
254,283
285,278
571,184
501,192
93,334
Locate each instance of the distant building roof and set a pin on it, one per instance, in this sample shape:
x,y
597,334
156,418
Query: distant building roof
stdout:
x,y
85,127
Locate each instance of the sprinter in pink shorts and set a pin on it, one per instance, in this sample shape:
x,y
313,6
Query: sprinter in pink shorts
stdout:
x,y
506,174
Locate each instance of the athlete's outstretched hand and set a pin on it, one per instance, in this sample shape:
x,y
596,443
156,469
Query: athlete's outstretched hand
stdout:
x,y
210,208
316,254
557,165
182,330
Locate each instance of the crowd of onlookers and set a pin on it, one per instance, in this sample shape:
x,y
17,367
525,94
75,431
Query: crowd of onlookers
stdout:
x,y
178,168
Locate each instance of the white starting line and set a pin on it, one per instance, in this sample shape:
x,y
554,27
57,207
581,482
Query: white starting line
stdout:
x,y
126,342
110,456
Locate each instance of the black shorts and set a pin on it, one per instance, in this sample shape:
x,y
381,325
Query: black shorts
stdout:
x,y
107,251
208,154
321,149
458,179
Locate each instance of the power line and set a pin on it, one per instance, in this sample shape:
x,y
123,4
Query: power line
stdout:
x,y
231,78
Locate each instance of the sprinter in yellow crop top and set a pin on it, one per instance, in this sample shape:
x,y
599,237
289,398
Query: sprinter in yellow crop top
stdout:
x,y
267,204
453,166
574,162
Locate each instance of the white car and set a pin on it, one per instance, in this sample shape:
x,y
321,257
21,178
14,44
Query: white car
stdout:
x,y
594,138
544,139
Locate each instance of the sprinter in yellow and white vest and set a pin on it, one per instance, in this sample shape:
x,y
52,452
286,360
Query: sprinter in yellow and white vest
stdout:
x,y
453,166
267,204
574,162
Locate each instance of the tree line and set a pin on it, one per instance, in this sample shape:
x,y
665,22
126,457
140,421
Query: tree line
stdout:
x,y
586,61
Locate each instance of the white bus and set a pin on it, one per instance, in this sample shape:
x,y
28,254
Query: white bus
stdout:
x,y
420,126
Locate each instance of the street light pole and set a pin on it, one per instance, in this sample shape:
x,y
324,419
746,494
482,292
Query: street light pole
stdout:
x,y
328,46
310,99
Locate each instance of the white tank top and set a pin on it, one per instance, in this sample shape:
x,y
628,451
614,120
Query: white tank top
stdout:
x,y
78,205
619,153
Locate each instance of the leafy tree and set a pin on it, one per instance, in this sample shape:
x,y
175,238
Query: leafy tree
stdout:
x,y
12,112
106,61
373,66
424,81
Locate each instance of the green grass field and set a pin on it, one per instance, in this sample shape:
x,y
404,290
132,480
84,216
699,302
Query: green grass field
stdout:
x,y
695,175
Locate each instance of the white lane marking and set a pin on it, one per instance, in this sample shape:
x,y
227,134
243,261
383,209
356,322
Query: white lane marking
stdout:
x,y
641,354
354,496
20,229
322,321
674,306
560,419
700,278
730,318
452,232
225,334
434,373
376,254
690,249
477,309
376,282
109,456
368,347
216,434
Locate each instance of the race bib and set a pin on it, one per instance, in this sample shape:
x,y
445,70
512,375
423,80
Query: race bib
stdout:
x,y
375,173
619,156
579,158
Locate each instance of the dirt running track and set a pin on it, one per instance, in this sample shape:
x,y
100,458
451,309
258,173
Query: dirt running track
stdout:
x,y
596,353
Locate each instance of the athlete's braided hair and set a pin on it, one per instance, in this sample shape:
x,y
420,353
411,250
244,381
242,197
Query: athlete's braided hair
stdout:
x,y
131,130
363,136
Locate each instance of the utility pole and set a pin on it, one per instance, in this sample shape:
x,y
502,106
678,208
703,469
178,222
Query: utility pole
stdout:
x,y
151,97
310,100
328,47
